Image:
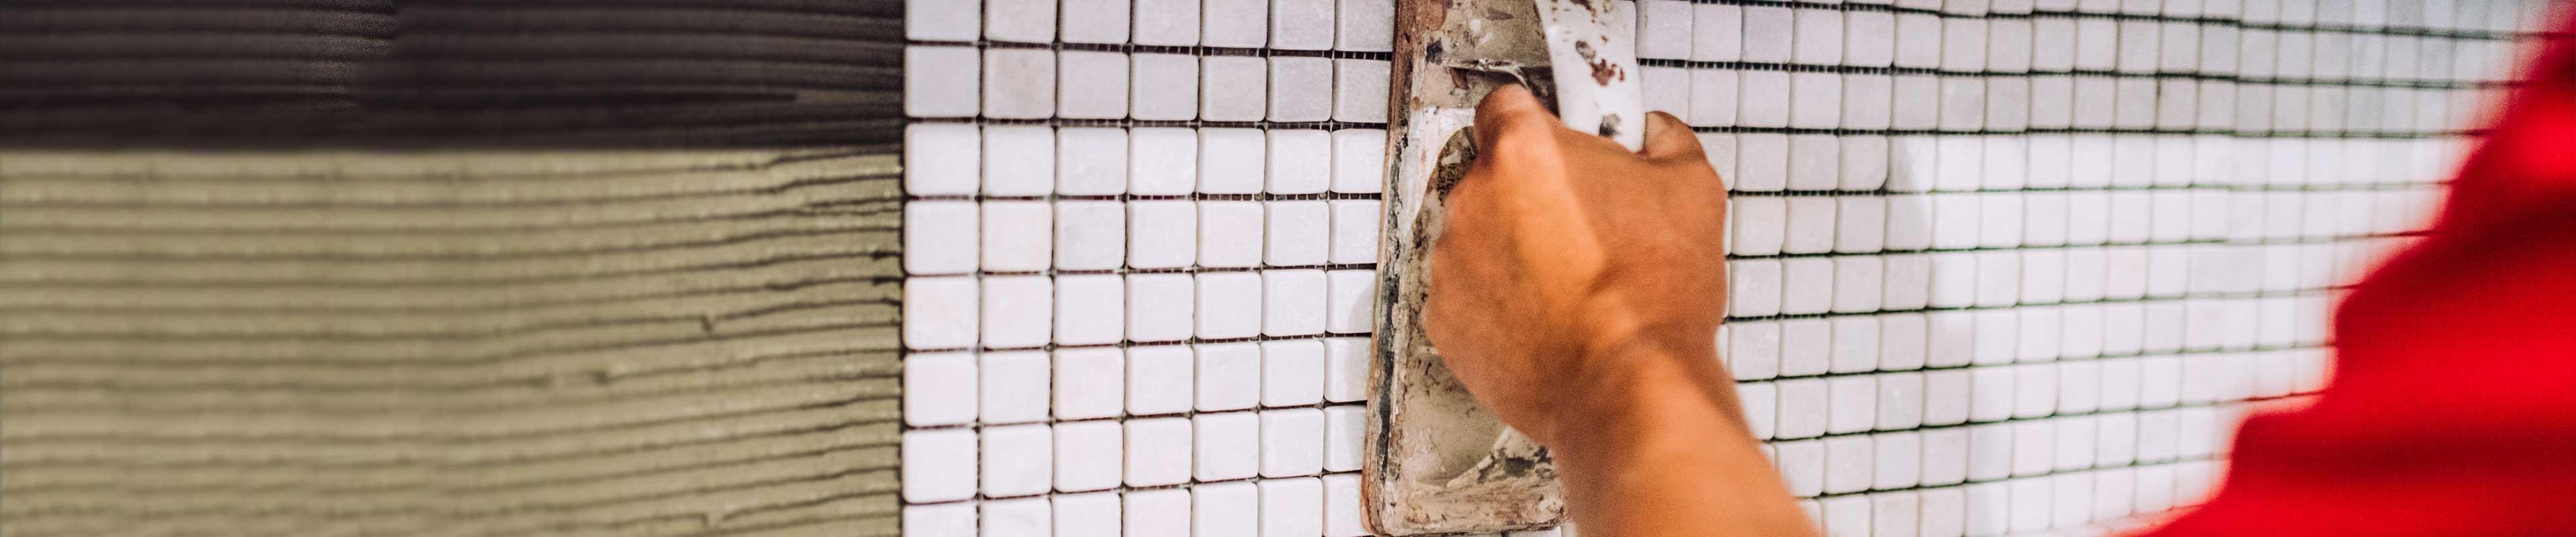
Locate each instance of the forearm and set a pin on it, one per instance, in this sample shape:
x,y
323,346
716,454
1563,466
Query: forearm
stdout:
x,y
1669,453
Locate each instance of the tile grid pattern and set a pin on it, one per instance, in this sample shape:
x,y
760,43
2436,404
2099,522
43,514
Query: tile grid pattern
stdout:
x,y
2002,266
1202,250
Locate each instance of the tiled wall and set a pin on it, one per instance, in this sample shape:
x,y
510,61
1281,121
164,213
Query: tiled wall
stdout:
x,y
2000,266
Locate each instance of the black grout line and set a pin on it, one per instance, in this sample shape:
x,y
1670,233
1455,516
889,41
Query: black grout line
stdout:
x,y
2255,135
1191,50
2160,75
2220,19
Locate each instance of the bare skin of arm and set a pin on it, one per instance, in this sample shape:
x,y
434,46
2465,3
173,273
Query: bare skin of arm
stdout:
x,y
1576,290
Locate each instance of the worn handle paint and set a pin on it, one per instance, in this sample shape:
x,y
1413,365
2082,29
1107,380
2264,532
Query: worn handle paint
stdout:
x,y
1595,69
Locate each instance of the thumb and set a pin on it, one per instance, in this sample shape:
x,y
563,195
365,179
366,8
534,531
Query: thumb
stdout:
x,y
1668,138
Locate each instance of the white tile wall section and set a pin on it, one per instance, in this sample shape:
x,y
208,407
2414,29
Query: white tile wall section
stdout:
x,y
2001,266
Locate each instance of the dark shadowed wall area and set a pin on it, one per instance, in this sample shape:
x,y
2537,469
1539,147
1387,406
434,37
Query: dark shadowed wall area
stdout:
x,y
338,267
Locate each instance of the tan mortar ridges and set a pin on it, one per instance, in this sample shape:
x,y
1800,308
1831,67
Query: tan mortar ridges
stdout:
x,y
450,342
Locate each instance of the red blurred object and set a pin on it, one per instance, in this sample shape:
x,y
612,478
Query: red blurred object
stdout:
x,y
2452,409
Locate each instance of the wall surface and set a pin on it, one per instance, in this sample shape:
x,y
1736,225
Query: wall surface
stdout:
x,y
483,342
2000,266
369,267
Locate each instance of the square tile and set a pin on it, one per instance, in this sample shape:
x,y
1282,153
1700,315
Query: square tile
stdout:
x,y
1802,466
1292,442
1342,516
1365,26
1230,233
1093,85
1666,89
1963,103
1227,445
1350,295
1158,453
1018,460
1900,406
1869,38
2008,45
1164,233
1091,161
1756,288
1161,379
1814,162
1023,21
1095,21
1086,515
1301,161
947,92
1014,386
940,465
1292,302
1301,24
1767,34
1868,101
1360,90
1664,29
1292,507
1229,305
1918,40
1163,86
1848,462
1090,381
1018,160
1758,225
2007,104
1816,100
1090,309
941,520
1810,227
1718,33
1713,101
1019,83
1853,339
1234,23
1167,22
1762,162
1301,89
1856,287
1759,402
943,237
1235,87
1346,369
1297,233
1963,45
1803,404
2097,44
1345,433
1753,349
1089,456
931,20
1359,160
1090,235
1818,37
939,389
1016,311
1917,104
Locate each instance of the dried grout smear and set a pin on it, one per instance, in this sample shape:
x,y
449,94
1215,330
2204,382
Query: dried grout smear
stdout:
x,y
2000,266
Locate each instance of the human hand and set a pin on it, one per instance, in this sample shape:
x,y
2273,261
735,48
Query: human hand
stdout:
x,y
1565,254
